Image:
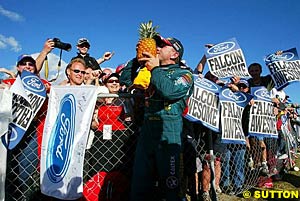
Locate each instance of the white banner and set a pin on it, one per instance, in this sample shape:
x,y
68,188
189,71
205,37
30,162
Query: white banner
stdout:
x,y
5,118
67,125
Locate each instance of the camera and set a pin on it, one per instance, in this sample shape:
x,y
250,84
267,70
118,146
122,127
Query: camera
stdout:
x,y
61,45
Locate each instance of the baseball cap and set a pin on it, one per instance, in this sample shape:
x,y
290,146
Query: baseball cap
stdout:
x,y
83,41
120,68
175,43
23,57
243,81
112,75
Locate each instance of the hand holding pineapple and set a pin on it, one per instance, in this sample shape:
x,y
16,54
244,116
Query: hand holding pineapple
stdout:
x,y
146,54
149,60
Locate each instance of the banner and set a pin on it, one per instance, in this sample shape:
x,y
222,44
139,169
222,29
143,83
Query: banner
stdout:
x,y
262,121
227,60
232,107
284,68
5,118
203,105
29,94
67,125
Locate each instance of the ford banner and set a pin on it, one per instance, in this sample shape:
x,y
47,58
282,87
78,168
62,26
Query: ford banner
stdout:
x,y
65,136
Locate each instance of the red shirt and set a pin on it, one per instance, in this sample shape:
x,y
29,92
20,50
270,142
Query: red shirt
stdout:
x,y
111,115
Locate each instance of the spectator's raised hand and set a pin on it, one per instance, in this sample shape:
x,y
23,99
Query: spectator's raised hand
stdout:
x,y
107,55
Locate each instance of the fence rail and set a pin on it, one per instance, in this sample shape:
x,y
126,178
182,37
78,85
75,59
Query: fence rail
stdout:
x,y
108,163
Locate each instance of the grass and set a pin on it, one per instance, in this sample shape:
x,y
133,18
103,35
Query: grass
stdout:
x,y
290,181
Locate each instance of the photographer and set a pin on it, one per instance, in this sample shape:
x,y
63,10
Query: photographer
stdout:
x,y
83,46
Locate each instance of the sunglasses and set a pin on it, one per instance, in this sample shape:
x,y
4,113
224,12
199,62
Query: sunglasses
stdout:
x,y
162,44
78,71
112,81
24,63
84,45
242,86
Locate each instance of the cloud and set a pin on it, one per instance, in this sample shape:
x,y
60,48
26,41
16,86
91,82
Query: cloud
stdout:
x,y
54,74
9,42
11,15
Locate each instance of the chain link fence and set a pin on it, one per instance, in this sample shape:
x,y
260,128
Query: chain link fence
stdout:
x,y
108,163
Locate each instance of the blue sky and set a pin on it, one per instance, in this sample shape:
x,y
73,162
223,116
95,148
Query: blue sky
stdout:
x,y
260,26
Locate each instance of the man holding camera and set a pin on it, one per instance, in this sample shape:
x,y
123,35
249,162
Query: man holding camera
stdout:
x,y
83,46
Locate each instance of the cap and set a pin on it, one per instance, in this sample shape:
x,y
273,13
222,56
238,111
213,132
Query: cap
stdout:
x,y
175,43
245,82
25,56
112,75
83,41
120,68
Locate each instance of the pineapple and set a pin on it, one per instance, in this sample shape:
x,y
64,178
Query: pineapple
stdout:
x,y
146,42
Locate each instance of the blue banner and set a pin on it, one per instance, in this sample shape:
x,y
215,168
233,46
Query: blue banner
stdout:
x,y
232,107
203,105
284,68
25,108
226,59
262,121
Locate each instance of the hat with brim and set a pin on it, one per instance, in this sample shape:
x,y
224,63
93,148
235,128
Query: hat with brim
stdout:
x,y
243,82
25,57
175,43
112,75
82,41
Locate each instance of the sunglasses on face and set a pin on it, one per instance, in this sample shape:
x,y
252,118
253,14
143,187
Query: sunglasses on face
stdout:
x,y
24,63
161,44
242,86
112,81
78,71
84,45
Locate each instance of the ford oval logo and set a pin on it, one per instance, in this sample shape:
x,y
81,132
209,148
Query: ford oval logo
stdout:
x,y
13,134
61,140
263,94
236,97
221,48
206,84
33,83
286,56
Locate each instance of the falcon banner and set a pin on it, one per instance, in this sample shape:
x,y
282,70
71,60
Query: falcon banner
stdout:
x,y
203,105
284,68
262,121
67,125
232,107
226,59
29,94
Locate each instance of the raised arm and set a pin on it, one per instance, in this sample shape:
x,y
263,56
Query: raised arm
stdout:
x,y
106,56
200,67
48,46
8,72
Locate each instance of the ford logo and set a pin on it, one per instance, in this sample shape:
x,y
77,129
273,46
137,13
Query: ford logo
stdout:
x,y
206,84
33,83
236,97
221,48
61,140
263,94
286,56
12,136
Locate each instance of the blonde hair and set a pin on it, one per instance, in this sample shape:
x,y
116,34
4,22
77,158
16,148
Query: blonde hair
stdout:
x,y
76,60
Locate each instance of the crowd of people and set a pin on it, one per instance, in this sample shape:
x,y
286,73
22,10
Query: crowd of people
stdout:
x,y
166,155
